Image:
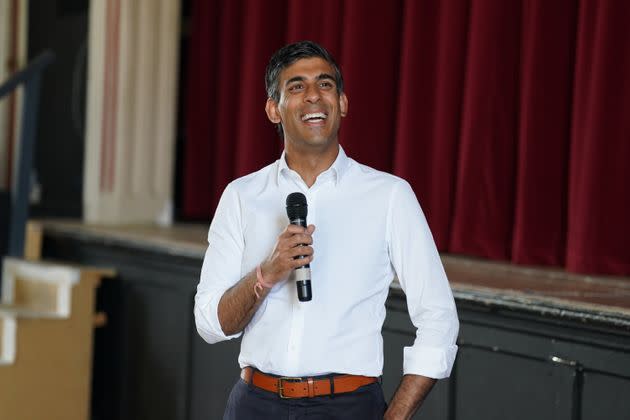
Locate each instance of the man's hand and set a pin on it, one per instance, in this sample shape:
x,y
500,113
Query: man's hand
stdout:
x,y
409,396
289,245
239,303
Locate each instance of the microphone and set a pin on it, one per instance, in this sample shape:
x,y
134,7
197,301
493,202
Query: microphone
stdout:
x,y
297,210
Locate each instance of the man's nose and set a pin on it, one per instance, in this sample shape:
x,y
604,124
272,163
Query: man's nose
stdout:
x,y
312,94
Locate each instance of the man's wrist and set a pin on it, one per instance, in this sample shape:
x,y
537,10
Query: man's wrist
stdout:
x,y
267,273
261,284
397,411
262,280
409,396
270,274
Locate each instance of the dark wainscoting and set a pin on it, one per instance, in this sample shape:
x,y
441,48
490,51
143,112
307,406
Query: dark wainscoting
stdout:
x,y
515,362
515,365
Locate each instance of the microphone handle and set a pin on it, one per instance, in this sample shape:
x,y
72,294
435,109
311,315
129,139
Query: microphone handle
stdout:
x,y
300,222
303,273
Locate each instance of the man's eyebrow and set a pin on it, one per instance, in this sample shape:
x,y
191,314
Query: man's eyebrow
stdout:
x,y
294,79
322,76
325,76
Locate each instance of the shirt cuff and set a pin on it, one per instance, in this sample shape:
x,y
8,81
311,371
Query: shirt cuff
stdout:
x,y
207,320
432,362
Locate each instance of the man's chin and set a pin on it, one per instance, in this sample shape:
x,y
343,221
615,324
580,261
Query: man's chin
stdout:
x,y
319,143
315,143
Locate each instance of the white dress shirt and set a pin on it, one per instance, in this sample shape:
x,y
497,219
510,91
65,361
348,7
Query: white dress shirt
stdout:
x,y
369,228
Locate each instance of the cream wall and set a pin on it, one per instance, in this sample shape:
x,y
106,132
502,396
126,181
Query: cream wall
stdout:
x,y
131,111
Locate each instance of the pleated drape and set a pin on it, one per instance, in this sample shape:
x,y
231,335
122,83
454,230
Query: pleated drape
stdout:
x,y
598,237
544,122
508,118
429,106
484,191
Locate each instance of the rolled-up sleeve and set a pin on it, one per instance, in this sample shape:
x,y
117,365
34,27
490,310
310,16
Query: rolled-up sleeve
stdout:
x,y
221,267
421,275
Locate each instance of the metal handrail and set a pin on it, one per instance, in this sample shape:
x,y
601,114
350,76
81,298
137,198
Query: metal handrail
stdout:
x,y
30,77
23,76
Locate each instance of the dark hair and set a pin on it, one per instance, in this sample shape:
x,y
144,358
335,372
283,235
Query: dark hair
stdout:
x,y
291,53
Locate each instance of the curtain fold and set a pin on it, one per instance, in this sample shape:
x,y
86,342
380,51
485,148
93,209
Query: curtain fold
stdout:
x,y
321,23
370,62
548,36
507,118
429,106
599,195
198,177
484,201
255,138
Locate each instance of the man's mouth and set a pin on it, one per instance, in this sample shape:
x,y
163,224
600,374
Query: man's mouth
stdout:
x,y
314,117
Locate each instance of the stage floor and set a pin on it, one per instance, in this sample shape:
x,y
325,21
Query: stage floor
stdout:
x,y
495,284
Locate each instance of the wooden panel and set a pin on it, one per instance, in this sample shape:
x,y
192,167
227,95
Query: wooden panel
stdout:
x,y
604,359
215,371
109,345
393,343
142,356
33,242
36,295
491,384
605,397
51,375
138,373
158,322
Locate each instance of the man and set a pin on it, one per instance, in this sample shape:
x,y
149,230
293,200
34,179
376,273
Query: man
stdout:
x,y
322,358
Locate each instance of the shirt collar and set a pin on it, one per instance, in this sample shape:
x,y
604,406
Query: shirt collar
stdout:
x,y
337,169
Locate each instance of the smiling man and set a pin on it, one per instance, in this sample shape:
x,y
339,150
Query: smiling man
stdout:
x,y
321,359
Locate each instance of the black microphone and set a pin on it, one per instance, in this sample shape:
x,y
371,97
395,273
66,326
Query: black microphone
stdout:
x,y
297,210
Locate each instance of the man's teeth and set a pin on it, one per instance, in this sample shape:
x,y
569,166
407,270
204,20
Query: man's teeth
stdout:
x,y
316,116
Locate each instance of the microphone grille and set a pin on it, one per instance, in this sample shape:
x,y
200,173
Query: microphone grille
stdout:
x,y
296,206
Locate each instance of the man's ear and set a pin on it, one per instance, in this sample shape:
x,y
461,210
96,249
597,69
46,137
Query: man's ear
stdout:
x,y
343,104
271,108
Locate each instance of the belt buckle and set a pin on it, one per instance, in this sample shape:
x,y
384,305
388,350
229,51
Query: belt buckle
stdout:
x,y
281,388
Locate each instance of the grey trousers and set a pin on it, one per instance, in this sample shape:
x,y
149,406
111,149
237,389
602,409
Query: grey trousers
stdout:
x,y
248,402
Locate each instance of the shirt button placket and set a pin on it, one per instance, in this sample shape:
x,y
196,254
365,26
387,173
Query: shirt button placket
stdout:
x,y
295,336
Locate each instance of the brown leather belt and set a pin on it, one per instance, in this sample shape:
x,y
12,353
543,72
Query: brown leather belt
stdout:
x,y
289,387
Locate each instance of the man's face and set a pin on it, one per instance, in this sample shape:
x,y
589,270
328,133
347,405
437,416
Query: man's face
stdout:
x,y
309,109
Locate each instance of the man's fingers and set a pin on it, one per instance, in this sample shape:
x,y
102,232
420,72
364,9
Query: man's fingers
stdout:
x,y
301,261
290,231
296,229
299,250
294,237
299,239
285,260
294,241
293,229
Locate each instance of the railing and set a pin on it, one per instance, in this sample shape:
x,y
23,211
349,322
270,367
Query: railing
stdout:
x,y
13,222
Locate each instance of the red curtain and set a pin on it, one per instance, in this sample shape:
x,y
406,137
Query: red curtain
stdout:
x,y
507,118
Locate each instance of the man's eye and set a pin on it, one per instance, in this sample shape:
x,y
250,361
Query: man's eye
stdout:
x,y
294,88
326,85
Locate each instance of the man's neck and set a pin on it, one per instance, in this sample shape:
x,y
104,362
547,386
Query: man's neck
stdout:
x,y
310,163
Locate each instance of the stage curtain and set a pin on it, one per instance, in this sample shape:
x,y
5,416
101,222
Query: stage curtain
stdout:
x,y
598,237
508,118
